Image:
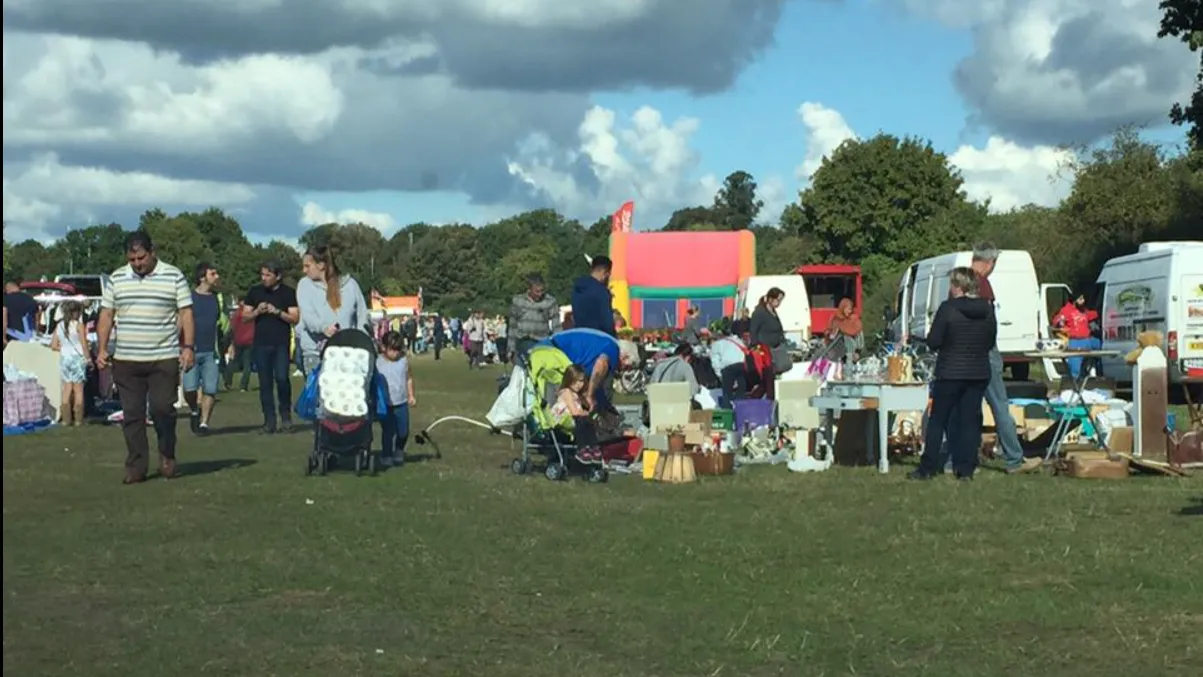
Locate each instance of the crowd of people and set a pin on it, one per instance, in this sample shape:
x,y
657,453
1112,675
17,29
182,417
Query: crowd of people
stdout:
x,y
170,324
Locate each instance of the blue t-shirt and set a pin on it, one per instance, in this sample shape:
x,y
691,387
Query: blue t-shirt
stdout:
x,y
584,346
205,313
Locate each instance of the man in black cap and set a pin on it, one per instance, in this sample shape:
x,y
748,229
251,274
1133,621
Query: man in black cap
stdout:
x,y
534,316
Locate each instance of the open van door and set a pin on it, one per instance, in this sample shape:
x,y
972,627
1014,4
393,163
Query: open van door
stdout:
x,y
901,323
1052,298
922,309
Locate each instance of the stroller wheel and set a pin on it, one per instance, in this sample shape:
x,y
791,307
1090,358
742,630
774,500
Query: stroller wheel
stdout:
x,y
520,466
420,438
599,475
372,465
359,464
323,464
555,472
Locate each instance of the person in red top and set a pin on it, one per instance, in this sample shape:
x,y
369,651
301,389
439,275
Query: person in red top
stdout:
x,y
1075,318
243,351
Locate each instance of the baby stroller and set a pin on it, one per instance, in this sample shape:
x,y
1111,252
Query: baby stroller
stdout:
x,y
346,403
523,410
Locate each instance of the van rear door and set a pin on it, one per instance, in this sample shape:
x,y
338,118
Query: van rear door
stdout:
x,y
922,309
1015,291
1190,336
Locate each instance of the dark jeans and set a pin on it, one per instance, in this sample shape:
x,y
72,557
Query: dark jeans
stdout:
x,y
438,349
142,386
956,414
475,353
272,364
502,350
584,432
243,361
394,431
734,380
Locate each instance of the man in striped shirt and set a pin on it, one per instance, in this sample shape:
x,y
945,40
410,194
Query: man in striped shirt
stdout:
x,y
150,302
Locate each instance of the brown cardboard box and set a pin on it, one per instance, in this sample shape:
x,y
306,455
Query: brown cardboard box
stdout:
x,y
1121,440
1018,415
695,433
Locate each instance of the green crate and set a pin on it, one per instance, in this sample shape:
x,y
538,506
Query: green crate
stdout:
x,y
723,419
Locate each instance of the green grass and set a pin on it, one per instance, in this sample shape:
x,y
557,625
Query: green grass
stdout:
x,y
456,567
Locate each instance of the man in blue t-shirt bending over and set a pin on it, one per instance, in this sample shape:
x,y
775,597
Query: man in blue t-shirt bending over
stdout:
x,y
595,352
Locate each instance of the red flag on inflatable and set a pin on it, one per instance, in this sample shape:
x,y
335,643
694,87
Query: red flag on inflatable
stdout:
x,y
620,221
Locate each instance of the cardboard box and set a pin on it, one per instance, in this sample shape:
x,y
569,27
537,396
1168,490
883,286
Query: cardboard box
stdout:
x,y
1121,440
657,441
987,416
666,415
1035,427
668,393
1018,415
793,404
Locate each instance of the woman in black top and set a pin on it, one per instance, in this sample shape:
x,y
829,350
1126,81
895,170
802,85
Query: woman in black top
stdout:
x,y
963,332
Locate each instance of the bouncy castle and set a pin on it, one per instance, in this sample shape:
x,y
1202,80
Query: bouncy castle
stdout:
x,y
657,276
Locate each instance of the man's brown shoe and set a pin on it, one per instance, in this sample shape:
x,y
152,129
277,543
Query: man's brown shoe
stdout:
x,y
167,468
133,477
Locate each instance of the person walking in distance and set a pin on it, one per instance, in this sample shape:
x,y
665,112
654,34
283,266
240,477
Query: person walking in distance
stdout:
x,y
272,306
985,257
150,304
440,336
534,316
243,349
474,330
201,381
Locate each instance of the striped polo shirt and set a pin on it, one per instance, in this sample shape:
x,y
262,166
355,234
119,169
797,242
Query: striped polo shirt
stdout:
x,y
147,309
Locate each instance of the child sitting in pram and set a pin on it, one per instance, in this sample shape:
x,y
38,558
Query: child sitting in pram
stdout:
x,y
570,401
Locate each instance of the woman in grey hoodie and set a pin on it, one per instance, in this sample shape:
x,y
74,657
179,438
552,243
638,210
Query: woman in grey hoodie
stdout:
x,y
329,301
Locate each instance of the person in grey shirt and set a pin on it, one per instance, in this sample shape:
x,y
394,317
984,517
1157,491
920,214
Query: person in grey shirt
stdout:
x,y
534,316
677,369
329,301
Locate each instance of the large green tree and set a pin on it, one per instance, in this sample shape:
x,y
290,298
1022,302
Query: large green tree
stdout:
x,y
736,204
886,196
1183,19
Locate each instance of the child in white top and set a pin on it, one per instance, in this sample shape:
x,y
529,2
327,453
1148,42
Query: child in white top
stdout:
x,y
70,341
570,400
393,366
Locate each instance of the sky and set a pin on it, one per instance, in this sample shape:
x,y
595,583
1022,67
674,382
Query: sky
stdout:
x,y
293,113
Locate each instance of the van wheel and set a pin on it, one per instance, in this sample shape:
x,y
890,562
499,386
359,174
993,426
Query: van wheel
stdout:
x,y
1020,371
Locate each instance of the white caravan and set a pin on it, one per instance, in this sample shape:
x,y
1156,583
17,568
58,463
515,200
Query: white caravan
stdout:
x,y
795,309
1024,306
1159,288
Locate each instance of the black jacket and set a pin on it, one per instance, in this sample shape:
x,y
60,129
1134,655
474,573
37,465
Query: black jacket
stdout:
x,y
963,332
765,328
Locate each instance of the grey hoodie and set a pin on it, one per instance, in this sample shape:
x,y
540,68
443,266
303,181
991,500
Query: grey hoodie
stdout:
x,y
317,315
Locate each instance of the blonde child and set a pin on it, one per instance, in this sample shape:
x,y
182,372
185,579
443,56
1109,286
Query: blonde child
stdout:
x,y
570,400
393,366
70,341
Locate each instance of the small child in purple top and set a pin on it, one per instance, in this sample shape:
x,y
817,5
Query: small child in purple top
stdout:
x,y
393,366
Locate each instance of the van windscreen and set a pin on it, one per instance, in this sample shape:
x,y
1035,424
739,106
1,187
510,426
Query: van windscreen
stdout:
x,y
826,291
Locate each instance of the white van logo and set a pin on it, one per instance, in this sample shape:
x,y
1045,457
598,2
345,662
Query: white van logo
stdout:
x,y
1134,298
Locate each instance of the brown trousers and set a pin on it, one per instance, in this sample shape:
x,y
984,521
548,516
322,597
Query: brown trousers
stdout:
x,y
142,386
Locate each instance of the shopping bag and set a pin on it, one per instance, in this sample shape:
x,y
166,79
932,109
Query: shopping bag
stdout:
x,y
307,402
381,390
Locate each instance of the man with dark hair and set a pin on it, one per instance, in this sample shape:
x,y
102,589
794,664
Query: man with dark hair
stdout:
x,y
272,306
591,299
201,381
20,310
150,304
534,316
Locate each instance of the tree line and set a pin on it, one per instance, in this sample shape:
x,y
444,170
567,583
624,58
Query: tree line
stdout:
x,y
881,203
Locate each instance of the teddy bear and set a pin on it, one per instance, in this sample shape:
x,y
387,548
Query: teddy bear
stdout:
x,y
1145,339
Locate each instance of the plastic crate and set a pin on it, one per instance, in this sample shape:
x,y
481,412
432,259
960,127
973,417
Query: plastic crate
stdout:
x,y
723,419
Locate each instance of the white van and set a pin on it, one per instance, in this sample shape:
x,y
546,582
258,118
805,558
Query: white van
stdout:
x,y
1022,302
795,309
1159,288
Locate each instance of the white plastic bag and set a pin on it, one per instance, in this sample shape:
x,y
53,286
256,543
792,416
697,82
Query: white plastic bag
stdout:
x,y
512,405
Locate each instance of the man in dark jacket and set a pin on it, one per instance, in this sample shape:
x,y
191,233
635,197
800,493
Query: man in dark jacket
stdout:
x,y
963,333
591,299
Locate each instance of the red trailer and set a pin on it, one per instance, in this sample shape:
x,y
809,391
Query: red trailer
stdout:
x,y
827,285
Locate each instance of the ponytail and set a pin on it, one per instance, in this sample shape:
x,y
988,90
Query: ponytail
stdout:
x,y
773,293
325,256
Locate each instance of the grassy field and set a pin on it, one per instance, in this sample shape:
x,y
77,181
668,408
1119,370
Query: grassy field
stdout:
x,y
456,567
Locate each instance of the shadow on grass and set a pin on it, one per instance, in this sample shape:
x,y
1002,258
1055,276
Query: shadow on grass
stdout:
x,y
195,468
235,430
1195,510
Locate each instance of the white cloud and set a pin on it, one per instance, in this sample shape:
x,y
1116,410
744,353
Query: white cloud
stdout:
x,y
1004,172
313,214
645,160
826,129
45,190
1011,176
1057,71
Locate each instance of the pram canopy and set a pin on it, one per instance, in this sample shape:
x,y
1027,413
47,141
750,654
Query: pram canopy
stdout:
x,y
533,383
